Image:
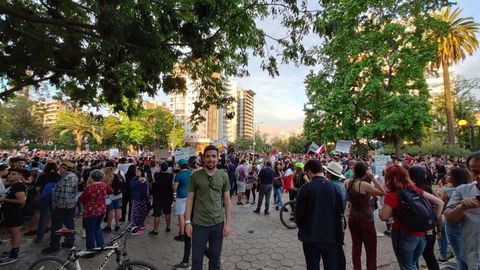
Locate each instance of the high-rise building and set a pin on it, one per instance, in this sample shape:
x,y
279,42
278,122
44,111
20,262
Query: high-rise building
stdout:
x,y
245,113
216,124
150,105
51,110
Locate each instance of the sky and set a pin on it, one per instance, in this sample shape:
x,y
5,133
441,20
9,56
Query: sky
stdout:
x,y
279,101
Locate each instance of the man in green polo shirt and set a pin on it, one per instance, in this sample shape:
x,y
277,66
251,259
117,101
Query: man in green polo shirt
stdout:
x,y
210,224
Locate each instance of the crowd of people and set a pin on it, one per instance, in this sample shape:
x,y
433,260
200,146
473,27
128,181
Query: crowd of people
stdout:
x,y
45,191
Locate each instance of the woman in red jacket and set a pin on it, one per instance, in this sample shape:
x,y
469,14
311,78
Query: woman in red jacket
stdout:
x,y
93,200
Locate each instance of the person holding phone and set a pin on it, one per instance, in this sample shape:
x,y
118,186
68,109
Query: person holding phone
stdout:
x,y
464,208
139,193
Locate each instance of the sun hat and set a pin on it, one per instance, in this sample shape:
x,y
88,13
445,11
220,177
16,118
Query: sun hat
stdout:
x,y
334,168
68,164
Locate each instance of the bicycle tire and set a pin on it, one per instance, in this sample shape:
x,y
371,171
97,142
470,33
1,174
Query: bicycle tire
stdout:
x,y
37,265
286,215
136,265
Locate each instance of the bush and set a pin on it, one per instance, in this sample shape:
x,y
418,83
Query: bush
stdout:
x,y
435,149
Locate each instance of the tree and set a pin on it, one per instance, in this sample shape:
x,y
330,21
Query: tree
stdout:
x,y
114,51
132,132
374,87
21,120
296,144
79,124
110,126
459,39
160,128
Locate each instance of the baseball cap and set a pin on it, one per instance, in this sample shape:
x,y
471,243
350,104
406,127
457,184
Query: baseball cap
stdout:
x,y
182,162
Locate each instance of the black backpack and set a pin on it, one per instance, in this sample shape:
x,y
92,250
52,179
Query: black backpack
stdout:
x,y
415,212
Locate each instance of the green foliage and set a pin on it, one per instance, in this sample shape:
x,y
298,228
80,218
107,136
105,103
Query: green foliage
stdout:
x,y
110,126
20,121
79,124
244,143
115,51
431,149
132,131
372,82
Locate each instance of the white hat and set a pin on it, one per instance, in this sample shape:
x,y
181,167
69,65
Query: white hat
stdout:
x,y
334,168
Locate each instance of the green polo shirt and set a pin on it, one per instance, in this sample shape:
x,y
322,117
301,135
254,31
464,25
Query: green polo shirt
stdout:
x,y
207,206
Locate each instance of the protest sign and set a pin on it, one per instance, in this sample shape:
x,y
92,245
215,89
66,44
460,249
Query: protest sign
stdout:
x,y
343,146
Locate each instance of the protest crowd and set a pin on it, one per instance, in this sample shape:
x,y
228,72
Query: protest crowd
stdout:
x,y
425,202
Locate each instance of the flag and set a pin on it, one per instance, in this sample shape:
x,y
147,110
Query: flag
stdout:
x,y
221,143
274,152
316,149
274,155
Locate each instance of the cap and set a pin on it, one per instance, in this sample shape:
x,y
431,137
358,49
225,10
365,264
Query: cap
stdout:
x,y
164,166
182,162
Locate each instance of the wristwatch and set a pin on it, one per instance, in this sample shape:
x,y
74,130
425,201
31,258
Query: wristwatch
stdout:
x,y
188,221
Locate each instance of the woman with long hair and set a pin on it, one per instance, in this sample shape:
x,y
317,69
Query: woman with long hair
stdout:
x,y
408,245
360,220
419,177
278,184
455,177
139,193
114,200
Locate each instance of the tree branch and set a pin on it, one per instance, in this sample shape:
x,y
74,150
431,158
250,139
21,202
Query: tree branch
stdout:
x,y
12,90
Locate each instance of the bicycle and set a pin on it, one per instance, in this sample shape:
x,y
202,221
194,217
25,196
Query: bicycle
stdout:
x,y
72,261
287,215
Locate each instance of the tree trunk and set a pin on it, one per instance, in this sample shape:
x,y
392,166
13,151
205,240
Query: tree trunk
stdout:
x,y
448,104
397,144
79,140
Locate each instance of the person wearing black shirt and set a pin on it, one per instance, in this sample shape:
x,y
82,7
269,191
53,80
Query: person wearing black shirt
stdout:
x,y
265,178
162,193
50,176
13,204
318,215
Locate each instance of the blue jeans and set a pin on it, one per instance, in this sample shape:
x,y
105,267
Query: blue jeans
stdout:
x,y
315,251
44,208
93,231
62,217
453,235
277,196
408,249
443,242
213,235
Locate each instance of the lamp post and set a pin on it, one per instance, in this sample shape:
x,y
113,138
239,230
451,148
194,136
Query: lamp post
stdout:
x,y
463,123
254,136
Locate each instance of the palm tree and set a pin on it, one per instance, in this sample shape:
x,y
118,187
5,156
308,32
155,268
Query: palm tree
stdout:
x,y
460,39
80,124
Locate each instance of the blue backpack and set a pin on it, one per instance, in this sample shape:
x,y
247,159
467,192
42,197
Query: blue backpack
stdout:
x,y
47,192
416,213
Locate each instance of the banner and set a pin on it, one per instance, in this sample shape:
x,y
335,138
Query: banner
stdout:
x,y
161,153
113,152
184,153
343,146
380,163
221,144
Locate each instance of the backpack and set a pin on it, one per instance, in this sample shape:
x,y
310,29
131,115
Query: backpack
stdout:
x,y
47,192
118,184
415,212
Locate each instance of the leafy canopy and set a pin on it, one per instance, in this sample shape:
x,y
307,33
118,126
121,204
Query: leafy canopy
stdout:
x,y
372,82
114,51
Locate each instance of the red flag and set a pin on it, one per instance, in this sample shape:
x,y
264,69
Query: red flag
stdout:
x,y
322,149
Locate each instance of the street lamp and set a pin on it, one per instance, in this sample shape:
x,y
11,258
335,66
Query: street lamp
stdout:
x,y
254,140
463,123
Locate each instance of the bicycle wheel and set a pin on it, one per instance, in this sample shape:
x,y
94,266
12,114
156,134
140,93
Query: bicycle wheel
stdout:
x,y
51,263
136,265
287,216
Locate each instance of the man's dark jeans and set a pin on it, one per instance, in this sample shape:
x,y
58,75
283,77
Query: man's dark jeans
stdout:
x,y
62,217
265,191
44,209
316,251
93,231
201,235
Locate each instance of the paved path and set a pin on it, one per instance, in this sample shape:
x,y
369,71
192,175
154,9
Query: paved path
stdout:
x,y
256,242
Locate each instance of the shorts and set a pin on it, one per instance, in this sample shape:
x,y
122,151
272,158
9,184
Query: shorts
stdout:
x,y
180,206
14,218
241,186
160,207
115,204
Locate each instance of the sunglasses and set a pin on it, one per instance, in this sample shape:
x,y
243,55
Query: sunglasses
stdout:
x,y
211,185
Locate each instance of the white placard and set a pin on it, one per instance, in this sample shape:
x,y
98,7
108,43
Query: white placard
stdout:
x,y
113,152
343,146
184,153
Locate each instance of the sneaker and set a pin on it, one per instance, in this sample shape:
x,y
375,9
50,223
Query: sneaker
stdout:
x,y
246,202
117,228
179,237
267,213
144,227
50,250
182,265
107,229
136,231
30,233
8,260
153,233
257,211
239,203
167,229
253,203
66,245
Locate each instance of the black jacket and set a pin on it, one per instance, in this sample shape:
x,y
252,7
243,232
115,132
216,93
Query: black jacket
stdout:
x,y
319,212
